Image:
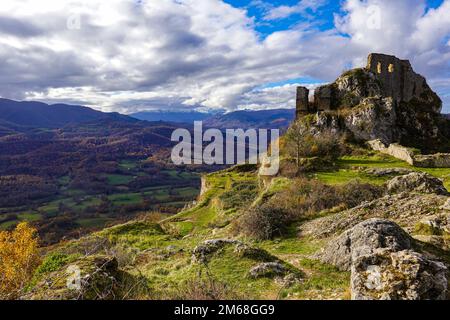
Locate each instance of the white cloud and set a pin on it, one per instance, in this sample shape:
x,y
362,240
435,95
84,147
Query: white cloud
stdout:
x,y
277,97
129,56
198,52
406,29
281,12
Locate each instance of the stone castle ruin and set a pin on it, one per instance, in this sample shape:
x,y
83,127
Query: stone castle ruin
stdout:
x,y
386,101
394,77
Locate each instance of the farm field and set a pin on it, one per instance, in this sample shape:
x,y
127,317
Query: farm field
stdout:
x,y
131,191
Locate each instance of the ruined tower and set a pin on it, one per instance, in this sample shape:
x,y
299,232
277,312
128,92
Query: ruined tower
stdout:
x,y
302,106
397,77
384,76
323,98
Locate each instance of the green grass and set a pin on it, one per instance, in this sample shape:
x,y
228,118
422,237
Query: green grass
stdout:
x,y
139,234
74,192
128,164
344,176
52,208
322,279
292,245
125,198
167,272
377,161
188,192
172,173
88,202
30,216
8,224
383,161
119,179
65,180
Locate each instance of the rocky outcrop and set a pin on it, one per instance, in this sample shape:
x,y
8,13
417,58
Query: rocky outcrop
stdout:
x,y
383,265
405,209
395,150
386,100
438,160
416,182
202,252
90,278
364,239
382,172
402,275
268,270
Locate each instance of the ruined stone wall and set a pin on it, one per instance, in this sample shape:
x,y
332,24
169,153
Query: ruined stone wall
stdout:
x,y
302,105
439,160
323,98
399,81
394,150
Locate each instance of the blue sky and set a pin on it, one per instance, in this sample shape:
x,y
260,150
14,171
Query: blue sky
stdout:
x,y
128,55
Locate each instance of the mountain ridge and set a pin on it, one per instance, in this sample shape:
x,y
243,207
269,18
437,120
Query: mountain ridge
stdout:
x,y
32,114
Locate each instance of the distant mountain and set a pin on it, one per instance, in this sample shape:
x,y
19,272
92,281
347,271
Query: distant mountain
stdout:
x,y
269,119
447,116
18,116
184,117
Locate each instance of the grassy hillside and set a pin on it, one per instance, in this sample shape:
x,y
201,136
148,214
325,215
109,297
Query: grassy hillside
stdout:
x,y
161,254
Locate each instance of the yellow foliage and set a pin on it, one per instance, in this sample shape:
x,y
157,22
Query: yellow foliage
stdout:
x,y
19,258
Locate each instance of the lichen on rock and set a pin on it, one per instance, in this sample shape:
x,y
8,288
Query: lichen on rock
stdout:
x,y
402,275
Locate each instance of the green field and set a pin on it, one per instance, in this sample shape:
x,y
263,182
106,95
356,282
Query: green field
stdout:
x,y
119,179
125,198
76,200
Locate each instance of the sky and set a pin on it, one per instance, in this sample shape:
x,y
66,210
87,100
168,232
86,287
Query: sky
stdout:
x,y
129,55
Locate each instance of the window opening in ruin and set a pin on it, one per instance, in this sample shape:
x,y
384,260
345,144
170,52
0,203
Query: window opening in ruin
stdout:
x,y
379,68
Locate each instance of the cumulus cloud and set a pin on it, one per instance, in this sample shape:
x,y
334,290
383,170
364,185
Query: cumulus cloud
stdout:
x,y
275,97
302,7
126,56
403,28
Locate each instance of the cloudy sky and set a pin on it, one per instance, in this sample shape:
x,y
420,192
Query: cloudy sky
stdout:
x,y
130,55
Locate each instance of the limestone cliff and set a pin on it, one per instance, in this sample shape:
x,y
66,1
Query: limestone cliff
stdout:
x,y
386,100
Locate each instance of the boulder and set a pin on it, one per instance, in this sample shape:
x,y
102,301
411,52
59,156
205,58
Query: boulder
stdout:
x,y
202,252
417,182
446,206
364,239
268,270
90,278
402,275
405,209
381,172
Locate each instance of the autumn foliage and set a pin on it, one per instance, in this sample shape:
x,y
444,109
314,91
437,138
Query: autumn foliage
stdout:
x,y
18,259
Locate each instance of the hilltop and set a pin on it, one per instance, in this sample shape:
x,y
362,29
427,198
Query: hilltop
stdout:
x,y
244,119
341,220
387,100
26,115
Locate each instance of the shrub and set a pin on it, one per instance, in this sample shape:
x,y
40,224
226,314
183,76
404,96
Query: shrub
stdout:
x,y
265,222
18,259
354,193
53,262
241,193
305,198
